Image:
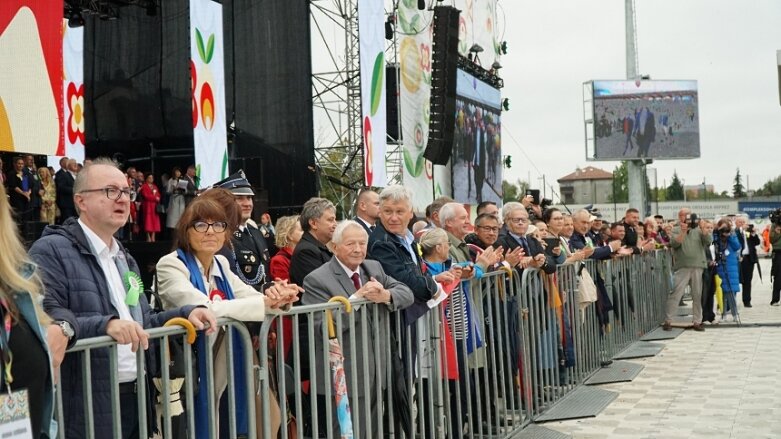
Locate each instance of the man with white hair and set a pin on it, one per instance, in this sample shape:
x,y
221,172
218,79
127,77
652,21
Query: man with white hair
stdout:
x,y
516,219
350,274
394,246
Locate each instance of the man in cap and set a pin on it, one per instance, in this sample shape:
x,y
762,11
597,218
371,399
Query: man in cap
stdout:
x,y
249,245
596,225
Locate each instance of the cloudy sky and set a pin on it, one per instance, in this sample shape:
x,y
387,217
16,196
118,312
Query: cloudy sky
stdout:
x,y
729,47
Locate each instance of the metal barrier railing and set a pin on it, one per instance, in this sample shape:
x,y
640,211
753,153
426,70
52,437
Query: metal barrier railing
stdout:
x,y
485,362
160,340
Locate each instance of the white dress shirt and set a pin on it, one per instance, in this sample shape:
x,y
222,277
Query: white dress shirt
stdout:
x,y
126,359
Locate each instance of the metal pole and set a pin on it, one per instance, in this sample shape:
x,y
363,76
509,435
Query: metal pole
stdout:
x,y
635,180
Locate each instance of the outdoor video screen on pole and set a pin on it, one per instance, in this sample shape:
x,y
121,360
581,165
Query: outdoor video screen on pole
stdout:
x,y
477,146
645,119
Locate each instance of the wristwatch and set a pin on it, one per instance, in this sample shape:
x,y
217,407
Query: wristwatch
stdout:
x,y
67,329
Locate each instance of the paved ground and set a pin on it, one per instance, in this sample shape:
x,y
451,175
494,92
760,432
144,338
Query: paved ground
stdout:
x,y
721,383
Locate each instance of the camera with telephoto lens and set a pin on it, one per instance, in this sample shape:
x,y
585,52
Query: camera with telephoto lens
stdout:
x,y
694,221
725,231
775,217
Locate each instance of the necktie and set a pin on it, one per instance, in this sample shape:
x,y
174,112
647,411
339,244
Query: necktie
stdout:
x,y
371,228
123,268
525,246
356,281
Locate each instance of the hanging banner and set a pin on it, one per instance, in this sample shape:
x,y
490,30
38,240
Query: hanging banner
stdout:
x,y
371,32
477,26
31,77
207,71
415,36
73,94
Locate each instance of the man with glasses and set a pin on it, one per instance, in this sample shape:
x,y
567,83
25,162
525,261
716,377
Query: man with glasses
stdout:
x,y
93,288
486,234
516,218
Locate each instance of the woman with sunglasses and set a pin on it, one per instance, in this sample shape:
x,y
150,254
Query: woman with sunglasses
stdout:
x,y
195,274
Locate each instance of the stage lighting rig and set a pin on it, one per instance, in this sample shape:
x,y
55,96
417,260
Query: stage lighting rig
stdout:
x,y
473,68
506,104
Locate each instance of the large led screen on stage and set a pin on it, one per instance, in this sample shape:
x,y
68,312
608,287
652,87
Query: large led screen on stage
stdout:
x,y
477,145
645,119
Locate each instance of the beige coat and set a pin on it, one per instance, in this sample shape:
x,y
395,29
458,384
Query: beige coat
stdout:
x,y
175,290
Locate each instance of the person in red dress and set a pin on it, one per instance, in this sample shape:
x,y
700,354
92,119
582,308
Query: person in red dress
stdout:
x,y
150,198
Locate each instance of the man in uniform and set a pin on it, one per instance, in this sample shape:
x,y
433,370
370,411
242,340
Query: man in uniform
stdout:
x,y
249,245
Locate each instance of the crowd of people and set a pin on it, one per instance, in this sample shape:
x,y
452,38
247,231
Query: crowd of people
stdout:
x,y
224,264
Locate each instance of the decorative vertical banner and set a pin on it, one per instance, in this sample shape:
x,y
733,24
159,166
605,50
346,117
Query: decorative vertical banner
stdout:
x,y
73,94
415,35
31,76
478,26
371,32
207,71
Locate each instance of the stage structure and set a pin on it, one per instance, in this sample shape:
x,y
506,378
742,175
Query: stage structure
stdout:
x,y
140,97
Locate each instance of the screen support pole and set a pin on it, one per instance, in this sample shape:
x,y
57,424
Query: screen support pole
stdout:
x,y
635,168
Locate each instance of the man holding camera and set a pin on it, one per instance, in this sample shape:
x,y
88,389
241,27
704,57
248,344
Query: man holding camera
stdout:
x,y
749,240
689,241
775,271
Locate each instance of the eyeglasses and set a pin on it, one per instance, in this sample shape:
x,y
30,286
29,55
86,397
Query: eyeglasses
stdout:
x,y
519,220
489,229
114,193
203,226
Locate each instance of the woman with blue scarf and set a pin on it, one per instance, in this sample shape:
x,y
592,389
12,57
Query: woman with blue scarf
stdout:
x,y
195,274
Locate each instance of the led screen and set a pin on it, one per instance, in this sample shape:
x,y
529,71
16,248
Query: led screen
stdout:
x,y
645,119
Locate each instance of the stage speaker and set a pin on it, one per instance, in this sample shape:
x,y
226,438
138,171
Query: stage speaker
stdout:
x,y
444,74
392,102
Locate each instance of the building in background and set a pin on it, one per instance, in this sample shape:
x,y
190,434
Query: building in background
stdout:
x,y
589,185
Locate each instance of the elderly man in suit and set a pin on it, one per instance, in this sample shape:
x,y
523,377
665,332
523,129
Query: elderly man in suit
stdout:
x,y
349,274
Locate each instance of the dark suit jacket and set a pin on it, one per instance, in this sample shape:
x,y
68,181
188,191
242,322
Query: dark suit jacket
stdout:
x,y
535,248
64,181
752,241
308,256
363,224
578,242
331,280
630,238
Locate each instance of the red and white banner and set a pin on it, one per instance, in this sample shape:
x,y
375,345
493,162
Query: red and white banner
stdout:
x,y
31,76
207,72
371,32
73,94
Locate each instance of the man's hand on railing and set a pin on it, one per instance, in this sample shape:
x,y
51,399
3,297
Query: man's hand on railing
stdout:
x,y
130,332
58,343
625,251
615,245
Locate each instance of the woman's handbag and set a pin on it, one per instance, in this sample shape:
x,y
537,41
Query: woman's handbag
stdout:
x,y
160,208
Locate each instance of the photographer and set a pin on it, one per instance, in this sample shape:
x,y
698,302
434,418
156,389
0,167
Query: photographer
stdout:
x,y
775,241
727,249
689,241
749,240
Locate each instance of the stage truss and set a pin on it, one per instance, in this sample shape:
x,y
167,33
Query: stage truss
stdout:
x,y
336,97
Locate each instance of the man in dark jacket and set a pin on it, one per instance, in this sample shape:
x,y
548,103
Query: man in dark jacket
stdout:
x,y
516,218
394,247
749,240
64,180
92,289
318,221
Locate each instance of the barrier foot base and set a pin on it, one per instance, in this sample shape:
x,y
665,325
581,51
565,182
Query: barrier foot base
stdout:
x,y
583,402
538,432
618,372
640,349
661,334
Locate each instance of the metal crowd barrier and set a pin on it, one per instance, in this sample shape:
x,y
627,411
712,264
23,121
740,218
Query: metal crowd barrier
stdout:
x,y
525,343
160,339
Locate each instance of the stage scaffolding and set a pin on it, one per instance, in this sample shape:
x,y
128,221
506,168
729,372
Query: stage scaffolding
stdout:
x,y
336,96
